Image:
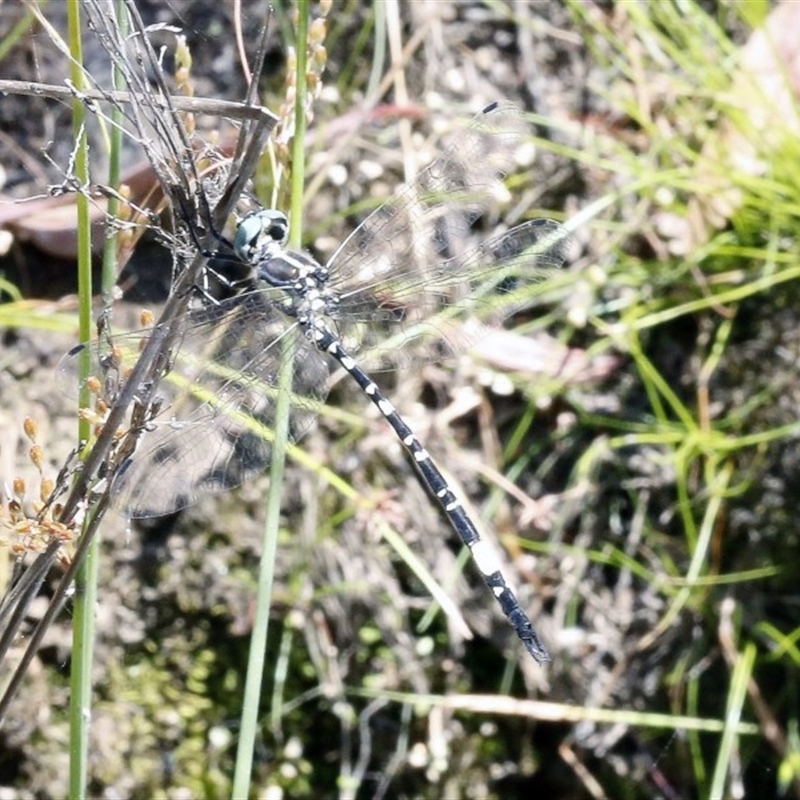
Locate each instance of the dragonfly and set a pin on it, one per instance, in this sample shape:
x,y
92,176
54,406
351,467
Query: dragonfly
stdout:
x,y
403,266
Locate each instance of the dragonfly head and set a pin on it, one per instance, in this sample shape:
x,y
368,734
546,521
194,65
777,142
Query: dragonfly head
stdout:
x,y
260,234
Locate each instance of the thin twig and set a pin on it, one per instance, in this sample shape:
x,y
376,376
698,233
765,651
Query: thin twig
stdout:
x,y
197,105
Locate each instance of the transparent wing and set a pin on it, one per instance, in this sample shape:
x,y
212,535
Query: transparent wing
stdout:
x,y
411,251
215,404
528,253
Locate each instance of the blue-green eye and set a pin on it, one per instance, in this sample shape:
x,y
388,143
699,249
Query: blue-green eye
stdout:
x,y
246,234
269,225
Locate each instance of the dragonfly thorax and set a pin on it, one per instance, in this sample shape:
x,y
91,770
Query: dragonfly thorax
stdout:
x,y
309,298
261,241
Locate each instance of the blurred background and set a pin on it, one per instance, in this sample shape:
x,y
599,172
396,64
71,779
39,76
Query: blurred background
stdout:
x,y
630,442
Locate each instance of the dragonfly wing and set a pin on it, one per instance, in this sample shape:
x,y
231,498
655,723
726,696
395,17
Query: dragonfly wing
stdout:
x,y
403,242
216,406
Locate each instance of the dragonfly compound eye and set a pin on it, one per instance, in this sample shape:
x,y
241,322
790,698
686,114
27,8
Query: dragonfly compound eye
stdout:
x,y
259,229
